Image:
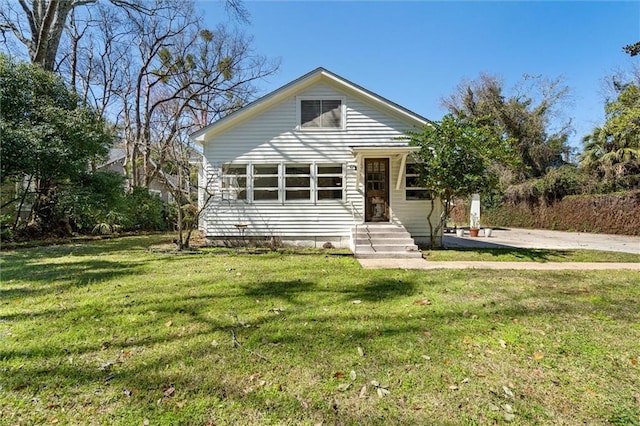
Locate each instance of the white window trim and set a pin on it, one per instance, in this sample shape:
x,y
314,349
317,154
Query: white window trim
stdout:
x,y
247,168
414,188
279,188
342,175
343,113
282,188
311,187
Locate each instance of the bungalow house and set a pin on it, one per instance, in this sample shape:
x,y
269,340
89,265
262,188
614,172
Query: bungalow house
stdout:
x,y
319,160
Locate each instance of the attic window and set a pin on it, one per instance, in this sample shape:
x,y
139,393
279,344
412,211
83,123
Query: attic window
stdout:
x,y
321,114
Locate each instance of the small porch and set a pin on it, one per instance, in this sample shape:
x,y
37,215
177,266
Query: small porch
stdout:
x,y
376,182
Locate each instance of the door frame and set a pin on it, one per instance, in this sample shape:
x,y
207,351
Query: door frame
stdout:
x,y
370,194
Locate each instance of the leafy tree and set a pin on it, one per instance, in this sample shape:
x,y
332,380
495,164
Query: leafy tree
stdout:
x,y
612,152
632,49
457,158
525,117
48,138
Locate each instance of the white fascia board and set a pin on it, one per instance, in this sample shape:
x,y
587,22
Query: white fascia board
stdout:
x,y
261,104
377,150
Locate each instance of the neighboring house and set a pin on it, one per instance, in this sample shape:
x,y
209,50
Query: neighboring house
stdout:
x,y
318,160
163,185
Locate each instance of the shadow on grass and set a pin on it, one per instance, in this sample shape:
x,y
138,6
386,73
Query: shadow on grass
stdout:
x,y
55,278
533,255
379,289
85,247
278,337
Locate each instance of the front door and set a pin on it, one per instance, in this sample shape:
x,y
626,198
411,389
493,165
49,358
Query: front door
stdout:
x,y
376,189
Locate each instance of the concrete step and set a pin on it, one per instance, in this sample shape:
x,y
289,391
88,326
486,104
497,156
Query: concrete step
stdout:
x,y
390,255
384,241
374,241
386,247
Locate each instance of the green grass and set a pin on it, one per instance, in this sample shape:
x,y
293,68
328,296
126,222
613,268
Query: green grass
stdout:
x,y
110,333
528,255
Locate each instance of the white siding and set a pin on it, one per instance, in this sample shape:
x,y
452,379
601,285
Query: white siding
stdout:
x,y
272,137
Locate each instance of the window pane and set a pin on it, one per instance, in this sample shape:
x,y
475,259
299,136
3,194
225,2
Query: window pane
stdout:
x,y
303,194
265,169
298,169
330,194
331,113
298,181
412,169
266,182
412,182
418,194
234,182
329,169
328,182
262,195
310,113
321,113
234,169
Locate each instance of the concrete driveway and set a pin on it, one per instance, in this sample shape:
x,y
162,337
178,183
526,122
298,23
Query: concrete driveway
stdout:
x,y
543,239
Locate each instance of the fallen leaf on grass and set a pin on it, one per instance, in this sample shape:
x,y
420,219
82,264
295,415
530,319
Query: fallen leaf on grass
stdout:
x,y
357,302
360,351
338,375
363,391
344,386
453,387
382,392
168,323
634,361
353,375
169,391
509,417
507,391
538,356
422,302
180,404
503,344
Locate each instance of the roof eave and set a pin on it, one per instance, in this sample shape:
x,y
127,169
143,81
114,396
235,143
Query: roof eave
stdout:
x,y
201,136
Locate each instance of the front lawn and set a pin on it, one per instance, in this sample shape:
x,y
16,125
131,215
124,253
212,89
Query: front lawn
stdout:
x,y
110,333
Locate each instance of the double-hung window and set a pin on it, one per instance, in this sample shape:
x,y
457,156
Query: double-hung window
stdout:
x,y
265,182
234,182
297,182
321,113
330,182
412,184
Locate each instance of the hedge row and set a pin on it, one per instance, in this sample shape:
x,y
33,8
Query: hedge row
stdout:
x,y
617,213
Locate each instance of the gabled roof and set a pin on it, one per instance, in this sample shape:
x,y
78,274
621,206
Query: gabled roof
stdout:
x,y
318,75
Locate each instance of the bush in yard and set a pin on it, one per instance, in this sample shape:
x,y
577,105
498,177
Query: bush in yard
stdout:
x,y
616,213
98,199
146,212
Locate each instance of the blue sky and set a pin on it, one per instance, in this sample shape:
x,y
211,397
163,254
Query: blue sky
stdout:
x,y
414,53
